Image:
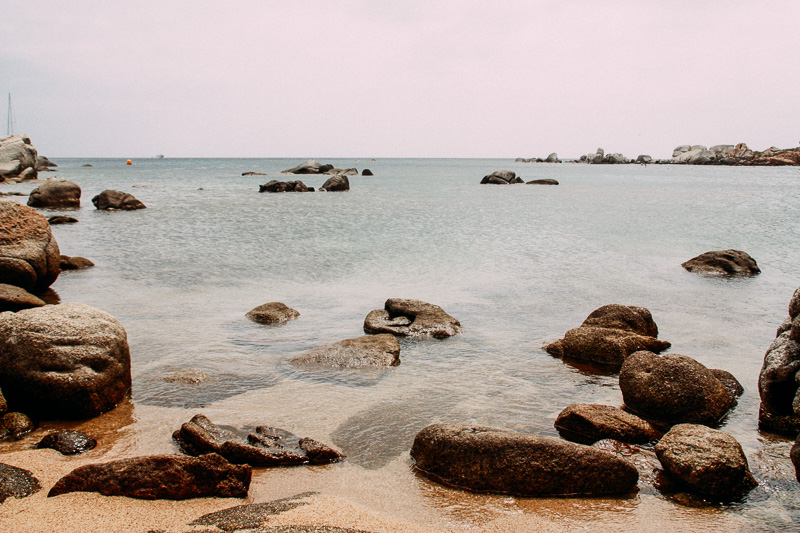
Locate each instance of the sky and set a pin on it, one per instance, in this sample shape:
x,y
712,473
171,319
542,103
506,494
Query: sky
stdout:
x,y
428,78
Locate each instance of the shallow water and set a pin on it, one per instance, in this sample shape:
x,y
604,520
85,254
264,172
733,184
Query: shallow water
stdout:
x,y
517,265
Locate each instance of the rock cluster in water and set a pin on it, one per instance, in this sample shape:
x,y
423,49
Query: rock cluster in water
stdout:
x,y
411,318
18,158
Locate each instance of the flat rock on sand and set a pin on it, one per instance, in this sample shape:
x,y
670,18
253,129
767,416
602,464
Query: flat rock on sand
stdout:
x,y
16,482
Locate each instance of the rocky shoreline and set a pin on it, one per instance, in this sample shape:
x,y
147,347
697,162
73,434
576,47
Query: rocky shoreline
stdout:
x,y
69,361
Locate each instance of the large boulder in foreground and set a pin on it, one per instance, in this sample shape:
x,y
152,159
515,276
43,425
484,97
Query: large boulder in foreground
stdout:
x,y
372,351
17,482
589,423
272,313
56,193
67,361
266,446
338,182
160,477
609,335
116,200
29,254
707,461
411,318
501,177
723,262
780,376
17,157
673,389
484,459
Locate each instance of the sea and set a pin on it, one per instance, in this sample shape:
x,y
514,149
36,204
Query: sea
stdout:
x,y
517,265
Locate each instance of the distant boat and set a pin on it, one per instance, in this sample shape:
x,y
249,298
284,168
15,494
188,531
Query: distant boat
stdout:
x,y
160,156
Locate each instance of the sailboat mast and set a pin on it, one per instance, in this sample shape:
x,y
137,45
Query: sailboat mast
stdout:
x,y
9,120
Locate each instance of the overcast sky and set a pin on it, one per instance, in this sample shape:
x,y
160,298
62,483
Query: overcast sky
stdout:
x,y
399,79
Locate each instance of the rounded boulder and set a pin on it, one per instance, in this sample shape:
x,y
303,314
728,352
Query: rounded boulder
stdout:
x,y
29,254
56,193
66,361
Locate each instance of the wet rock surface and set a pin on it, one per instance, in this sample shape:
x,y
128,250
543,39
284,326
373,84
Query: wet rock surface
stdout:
x,y
609,335
705,460
723,262
266,446
251,516
170,477
779,380
14,426
17,482
589,423
371,351
67,361
29,253
673,389
484,459
68,442
272,313
116,200
411,318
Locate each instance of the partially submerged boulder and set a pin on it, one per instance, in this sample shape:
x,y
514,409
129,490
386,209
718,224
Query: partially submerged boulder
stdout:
x,y
723,262
44,164
13,298
609,335
283,186
706,461
498,461
61,219
116,200
309,166
372,351
160,477
501,177
336,183
67,442
58,193
266,446
74,263
67,361
546,181
29,254
272,313
367,172
589,423
673,389
411,318
17,482
780,376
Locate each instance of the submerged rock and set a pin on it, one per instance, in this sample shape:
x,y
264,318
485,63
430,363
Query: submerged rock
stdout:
x,y
723,262
29,253
589,423
160,477
67,361
266,446
272,313
780,376
17,482
484,459
113,200
705,460
609,335
56,193
411,318
372,351
543,182
673,389
68,442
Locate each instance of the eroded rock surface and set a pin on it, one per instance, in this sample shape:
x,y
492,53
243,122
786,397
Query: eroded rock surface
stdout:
x,y
160,477
705,460
266,446
29,253
411,318
493,460
609,335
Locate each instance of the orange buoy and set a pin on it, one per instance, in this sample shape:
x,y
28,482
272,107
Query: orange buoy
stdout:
x,y
130,162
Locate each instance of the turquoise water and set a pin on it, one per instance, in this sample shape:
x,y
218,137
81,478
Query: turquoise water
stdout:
x,y
517,265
